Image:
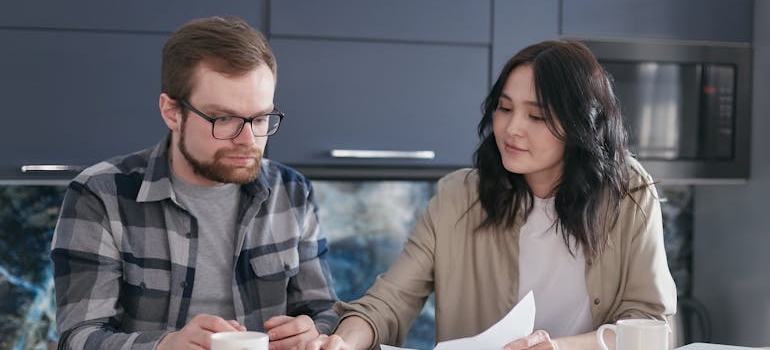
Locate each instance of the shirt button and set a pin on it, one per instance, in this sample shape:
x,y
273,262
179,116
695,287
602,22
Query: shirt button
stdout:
x,y
286,267
188,234
596,301
142,286
183,284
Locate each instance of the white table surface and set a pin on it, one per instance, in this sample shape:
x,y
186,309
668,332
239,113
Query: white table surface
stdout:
x,y
709,346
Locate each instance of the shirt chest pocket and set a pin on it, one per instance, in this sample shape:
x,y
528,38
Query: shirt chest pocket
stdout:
x,y
276,266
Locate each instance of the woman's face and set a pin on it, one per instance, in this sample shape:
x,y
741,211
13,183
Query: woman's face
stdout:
x,y
526,144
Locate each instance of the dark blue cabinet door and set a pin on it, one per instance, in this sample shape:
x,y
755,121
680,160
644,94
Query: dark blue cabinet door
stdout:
x,y
438,21
74,98
519,23
710,20
136,15
377,96
367,75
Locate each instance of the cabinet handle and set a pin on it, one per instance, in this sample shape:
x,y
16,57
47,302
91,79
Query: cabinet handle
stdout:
x,y
50,167
360,153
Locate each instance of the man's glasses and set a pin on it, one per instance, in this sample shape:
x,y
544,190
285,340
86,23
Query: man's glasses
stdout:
x,y
229,127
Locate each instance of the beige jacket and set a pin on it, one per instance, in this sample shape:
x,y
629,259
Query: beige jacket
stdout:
x,y
475,274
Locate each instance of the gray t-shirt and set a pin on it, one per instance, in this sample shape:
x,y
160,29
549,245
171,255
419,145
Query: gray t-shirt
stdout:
x,y
215,209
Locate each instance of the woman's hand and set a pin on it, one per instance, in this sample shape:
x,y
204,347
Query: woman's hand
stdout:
x,y
326,342
538,340
352,333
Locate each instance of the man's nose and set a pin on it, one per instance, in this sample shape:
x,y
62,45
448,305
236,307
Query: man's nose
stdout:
x,y
246,136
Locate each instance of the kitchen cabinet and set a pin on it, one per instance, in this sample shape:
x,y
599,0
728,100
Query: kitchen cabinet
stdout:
x,y
75,98
80,81
436,21
377,96
709,20
136,15
361,75
518,24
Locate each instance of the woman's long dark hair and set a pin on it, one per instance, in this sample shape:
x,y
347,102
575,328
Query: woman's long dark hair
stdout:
x,y
577,92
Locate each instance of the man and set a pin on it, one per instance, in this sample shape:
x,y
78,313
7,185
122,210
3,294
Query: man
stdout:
x,y
199,234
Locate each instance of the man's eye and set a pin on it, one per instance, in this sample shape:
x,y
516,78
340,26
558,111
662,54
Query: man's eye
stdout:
x,y
227,120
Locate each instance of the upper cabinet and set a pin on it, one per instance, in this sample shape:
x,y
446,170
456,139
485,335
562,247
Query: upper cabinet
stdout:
x,y
134,16
402,78
67,105
368,86
80,81
458,22
518,24
708,20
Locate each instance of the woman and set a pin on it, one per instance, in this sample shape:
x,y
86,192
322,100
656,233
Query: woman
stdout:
x,y
555,205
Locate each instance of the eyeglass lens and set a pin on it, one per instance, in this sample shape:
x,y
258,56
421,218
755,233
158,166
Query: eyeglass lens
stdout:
x,y
230,127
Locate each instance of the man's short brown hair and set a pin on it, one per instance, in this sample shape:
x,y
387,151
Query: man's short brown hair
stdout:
x,y
226,44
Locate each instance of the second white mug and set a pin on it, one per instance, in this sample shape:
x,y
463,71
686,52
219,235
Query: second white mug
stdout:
x,y
636,334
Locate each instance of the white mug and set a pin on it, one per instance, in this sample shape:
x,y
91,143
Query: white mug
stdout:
x,y
636,334
239,341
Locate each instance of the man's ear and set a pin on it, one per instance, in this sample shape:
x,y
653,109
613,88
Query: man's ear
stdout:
x,y
170,111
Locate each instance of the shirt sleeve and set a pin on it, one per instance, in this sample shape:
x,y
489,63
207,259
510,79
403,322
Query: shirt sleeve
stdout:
x,y
311,291
87,267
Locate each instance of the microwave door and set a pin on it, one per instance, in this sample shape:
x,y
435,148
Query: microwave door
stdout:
x,y
659,102
687,105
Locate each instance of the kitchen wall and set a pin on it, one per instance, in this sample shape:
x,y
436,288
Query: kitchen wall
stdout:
x,y
731,246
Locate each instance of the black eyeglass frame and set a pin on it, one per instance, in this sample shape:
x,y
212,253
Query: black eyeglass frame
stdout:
x,y
244,120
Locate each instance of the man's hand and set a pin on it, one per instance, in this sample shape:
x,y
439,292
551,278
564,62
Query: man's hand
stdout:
x,y
287,332
196,334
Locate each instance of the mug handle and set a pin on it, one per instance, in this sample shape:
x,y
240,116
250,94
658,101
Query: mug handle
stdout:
x,y
600,334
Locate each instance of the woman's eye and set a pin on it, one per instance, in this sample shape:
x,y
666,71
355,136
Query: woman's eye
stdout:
x,y
503,109
536,117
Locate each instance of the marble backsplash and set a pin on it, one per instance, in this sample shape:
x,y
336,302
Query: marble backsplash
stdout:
x,y
366,222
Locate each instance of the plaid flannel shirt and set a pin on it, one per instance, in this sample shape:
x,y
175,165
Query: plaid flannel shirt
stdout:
x,y
124,254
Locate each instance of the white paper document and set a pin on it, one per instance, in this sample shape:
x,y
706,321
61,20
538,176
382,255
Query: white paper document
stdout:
x,y
519,322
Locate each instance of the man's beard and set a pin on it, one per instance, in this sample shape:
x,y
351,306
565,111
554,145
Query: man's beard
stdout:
x,y
219,172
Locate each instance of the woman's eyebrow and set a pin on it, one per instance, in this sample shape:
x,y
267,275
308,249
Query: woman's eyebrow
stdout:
x,y
530,103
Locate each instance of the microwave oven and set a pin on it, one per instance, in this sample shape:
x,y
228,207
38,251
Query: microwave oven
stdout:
x,y
686,105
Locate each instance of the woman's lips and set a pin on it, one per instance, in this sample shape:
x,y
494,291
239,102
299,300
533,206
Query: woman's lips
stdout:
x,y
513,148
